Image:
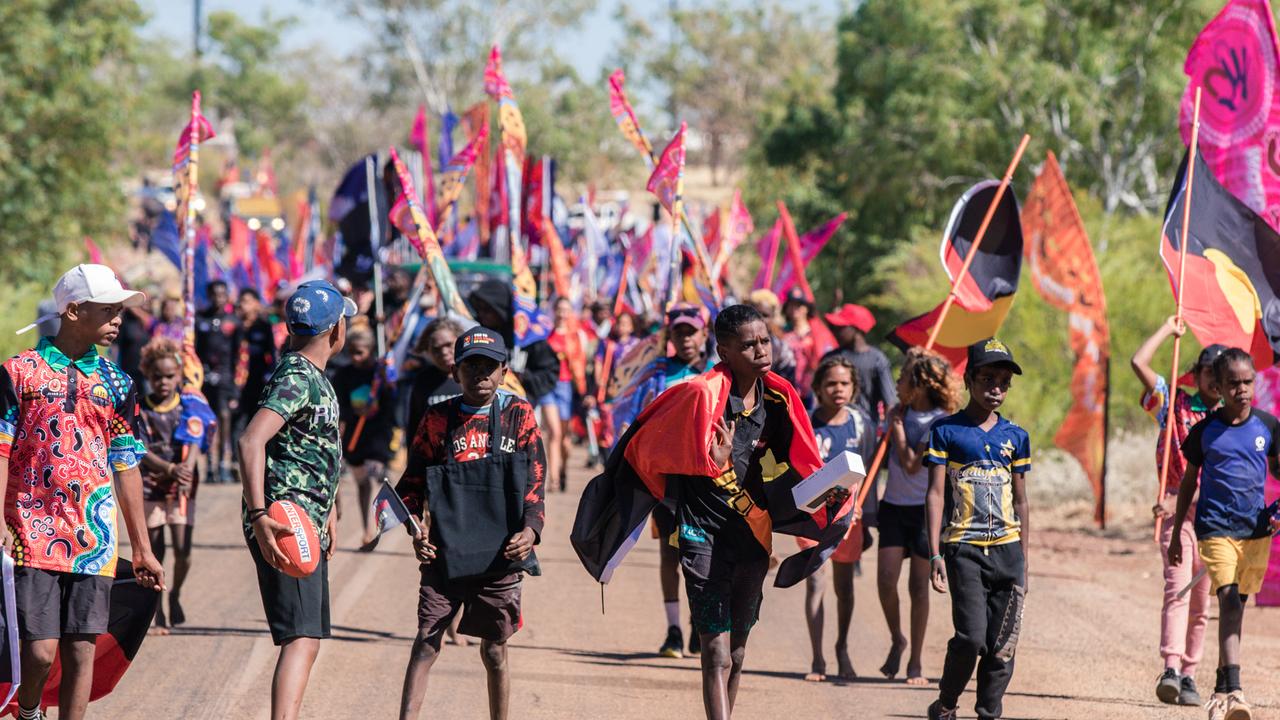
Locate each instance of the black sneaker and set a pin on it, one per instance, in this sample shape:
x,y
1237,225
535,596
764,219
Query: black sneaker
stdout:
x,y
1187,694
937,712
1169,686
673,647
695,642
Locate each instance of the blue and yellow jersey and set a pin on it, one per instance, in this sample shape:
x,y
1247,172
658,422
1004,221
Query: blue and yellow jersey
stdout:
x,y
980,466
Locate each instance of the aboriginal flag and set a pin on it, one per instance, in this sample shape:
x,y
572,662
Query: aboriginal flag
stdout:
x,y
985,296
1232,293
670,440
133,607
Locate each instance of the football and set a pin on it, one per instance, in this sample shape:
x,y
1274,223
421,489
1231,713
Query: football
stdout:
x,y
301,545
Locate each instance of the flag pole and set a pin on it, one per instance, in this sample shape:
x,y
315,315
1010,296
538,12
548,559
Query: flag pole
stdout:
x,y
1167,450
375,241
677,252
1106,433
793,249
188,237
946,306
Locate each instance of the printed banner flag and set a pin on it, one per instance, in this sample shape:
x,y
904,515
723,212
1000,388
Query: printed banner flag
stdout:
x,y
187,184
477,117
420,139
625,116
514,139
668,175
1236,62
408,218
1232,293
454,174
767,246
530,323
984,298
811,243
1065,273
739,226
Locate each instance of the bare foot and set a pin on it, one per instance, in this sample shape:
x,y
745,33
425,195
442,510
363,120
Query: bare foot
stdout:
x,y
818,673
456,639
844,664
815,677
893,663
158,630
915,674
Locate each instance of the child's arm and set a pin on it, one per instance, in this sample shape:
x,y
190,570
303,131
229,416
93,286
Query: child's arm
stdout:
x,y
933,515
253,466
1141,360
521,544
1186,492
148,570
1022,506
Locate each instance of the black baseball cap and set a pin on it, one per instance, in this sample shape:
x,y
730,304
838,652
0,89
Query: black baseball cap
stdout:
x,y
992,352
1209,354
480,342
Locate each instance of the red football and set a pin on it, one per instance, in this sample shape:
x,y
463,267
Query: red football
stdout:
x,y
302,544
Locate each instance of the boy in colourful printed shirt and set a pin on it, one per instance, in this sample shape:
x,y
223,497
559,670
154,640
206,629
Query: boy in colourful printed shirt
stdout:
x,y
458,430
68,418
1183,616
291,450
978,463
1230,453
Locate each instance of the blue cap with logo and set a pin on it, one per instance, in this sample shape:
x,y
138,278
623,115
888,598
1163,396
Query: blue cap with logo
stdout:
x,y
480,341
315,307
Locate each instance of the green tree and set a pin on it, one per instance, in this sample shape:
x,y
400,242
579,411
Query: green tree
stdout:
x,y
61,119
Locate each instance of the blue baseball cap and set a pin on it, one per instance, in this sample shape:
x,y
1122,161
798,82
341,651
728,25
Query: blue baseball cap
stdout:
x,y
480,342
315,307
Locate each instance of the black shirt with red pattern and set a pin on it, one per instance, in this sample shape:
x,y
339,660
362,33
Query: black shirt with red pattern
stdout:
x,y
470,441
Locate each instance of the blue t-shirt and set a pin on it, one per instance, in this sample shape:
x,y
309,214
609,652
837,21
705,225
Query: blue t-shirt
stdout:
x,y
855,434
1233,473
980,465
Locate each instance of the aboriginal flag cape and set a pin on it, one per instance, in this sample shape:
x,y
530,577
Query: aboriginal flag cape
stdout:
x,y
133,607
670,440
1232,280
984,298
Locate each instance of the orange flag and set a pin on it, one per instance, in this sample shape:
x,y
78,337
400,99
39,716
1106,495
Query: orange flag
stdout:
x,y
1064,272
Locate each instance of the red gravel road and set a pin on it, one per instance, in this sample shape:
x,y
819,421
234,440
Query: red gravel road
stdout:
x,y
1088,649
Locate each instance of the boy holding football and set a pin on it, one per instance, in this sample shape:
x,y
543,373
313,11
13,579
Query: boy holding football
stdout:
x,y
291,450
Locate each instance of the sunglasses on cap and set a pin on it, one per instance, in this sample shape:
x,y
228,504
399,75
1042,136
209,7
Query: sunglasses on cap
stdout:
x,y
683,312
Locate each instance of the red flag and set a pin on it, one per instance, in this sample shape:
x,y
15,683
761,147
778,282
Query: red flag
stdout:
x,y
420,139
454,175
95,252
626,117
738,228
811,243
268,264
199,129
477,117
533,198
711,232
498,198
767,246
1064,271
667,180
1236,61
238,242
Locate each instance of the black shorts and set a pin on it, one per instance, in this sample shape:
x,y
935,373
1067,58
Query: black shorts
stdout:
x,y
490,606
664,519
904,526
295,607
55,604
219,397
725,587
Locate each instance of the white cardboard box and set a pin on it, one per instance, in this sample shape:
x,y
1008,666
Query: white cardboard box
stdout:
x,y
844,470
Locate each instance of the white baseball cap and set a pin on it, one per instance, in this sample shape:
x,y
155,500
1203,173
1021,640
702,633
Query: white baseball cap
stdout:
x,y
89,283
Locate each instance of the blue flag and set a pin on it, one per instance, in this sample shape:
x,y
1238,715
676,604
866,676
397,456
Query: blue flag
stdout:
x,y
165,238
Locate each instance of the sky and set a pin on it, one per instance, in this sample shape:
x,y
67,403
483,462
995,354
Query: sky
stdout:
x,y
323,23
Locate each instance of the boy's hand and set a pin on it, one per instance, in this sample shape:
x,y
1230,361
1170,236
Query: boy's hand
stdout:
x,y
6,538
331,529
836,496
896,414
148,570
722,443
265,530
1175,549
938,575
519,546
425,551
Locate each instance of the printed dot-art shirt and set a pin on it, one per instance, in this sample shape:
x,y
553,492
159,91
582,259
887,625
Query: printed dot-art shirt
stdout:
x,y
978,507
65,426
1188,409
470,441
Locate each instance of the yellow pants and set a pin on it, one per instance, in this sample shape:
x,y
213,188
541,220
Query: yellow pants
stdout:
x,y
1231,561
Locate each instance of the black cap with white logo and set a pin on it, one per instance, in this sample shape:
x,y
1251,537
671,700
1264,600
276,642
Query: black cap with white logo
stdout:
x,y
992,352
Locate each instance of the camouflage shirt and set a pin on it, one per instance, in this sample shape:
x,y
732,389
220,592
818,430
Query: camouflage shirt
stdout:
x,y
304,459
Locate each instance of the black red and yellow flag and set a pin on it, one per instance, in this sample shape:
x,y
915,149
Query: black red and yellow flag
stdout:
x,y
985,296
1232,286
1065,273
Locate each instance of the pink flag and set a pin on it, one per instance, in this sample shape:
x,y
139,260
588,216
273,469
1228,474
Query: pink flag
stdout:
x,y
767,246
1236,62
740,225
667,179
95,252
420,138
620,107
811,244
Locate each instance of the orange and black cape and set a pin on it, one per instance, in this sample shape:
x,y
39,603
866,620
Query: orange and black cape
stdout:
x,y
671,439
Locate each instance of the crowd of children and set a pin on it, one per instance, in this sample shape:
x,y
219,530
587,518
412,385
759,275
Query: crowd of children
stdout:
x,y
481,411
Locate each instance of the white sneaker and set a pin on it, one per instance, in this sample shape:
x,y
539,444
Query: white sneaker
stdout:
x,y
1217,706
1237,707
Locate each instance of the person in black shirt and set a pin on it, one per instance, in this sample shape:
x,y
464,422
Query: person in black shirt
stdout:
x,y
255,356
215,337
363,394
536,364
434,382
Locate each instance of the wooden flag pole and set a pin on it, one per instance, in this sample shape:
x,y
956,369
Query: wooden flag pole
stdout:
x,y
793,248
946,307
1166,451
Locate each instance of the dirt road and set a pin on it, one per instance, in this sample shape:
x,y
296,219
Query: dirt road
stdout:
x,y
1088,648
